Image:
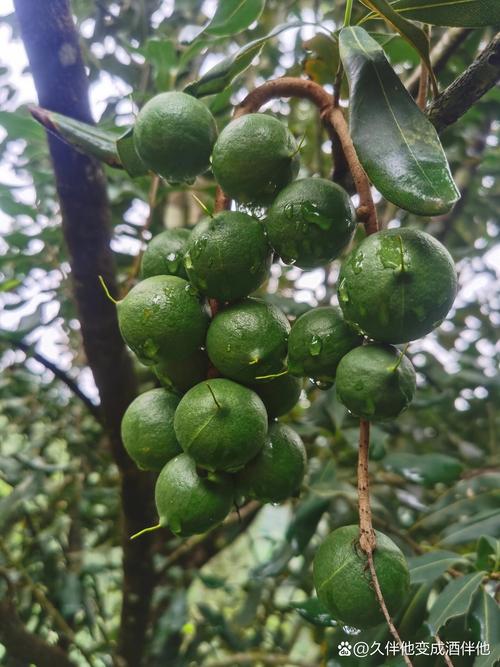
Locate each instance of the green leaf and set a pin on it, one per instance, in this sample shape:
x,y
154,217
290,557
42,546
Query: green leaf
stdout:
x,y
426,469
85,138
322,60
313,612
129,157
485,523
222,74
484,618
461,13
454,600
161,53
396,144
10,284
487,554
304,523
429,567
488,660
414,35
233,16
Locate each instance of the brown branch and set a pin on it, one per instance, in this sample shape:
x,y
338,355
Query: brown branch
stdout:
x,y
366,211
440,54
254,657
460,95
366,533
52,45
58,372
423,87
24,645
286,86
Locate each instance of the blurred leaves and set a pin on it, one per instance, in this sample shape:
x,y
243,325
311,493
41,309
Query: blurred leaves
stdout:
x,y
233,16
454,600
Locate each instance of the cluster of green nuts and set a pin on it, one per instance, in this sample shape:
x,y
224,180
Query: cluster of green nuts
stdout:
x,y
229,373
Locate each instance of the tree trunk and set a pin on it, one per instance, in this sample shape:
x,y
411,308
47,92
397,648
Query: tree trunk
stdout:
x,y
51,42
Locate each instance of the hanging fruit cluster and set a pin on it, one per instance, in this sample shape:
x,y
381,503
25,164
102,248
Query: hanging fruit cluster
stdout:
x,y
229,371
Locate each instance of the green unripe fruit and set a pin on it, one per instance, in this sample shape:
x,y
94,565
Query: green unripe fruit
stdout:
x,y
343,582
182,374
310,222
318,341
189,503
221,424
174,134
228,256
162,318
254,157
148,429
164,255
277,471
397,285
279,395
375,382
247,341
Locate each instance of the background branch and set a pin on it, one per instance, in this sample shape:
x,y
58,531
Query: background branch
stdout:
x,y
25,645
460,95
58,372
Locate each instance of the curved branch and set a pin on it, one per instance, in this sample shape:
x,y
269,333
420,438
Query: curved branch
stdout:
x,y
460,95
25,645
58,372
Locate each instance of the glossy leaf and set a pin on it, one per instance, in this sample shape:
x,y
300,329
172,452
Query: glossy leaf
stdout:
x,y
86,138
426,469
465,13
233,16
454,600
396,144
413,34
313,612
484,618
428,567
129,157
222,74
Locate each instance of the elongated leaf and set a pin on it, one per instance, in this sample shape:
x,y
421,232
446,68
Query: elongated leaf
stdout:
x,y
459,13
486,523
414,35
484,618
82,136
233,16
222,74
426,469
304,523
396,144
430,566
313,612
454,600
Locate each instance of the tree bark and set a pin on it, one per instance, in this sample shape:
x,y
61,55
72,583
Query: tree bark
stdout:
x,y
52,45
470,86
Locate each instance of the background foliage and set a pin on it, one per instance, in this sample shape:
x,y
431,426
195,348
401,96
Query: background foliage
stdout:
x,y
434,484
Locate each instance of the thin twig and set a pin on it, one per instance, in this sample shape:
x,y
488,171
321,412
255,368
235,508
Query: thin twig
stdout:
x,y
366,211
440,55
254,657
58,372
136,265
460,95
446,657
423,83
